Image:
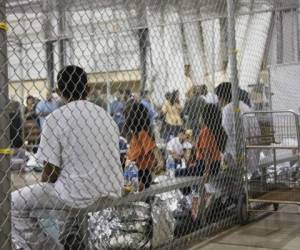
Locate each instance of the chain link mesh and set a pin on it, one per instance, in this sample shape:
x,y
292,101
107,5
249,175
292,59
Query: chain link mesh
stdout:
x,y
135,147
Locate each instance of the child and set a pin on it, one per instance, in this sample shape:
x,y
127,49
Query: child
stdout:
x,y
211,143
142,147
177,146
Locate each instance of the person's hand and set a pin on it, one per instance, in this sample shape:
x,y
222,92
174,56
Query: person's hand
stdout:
x,y
159,168
127,162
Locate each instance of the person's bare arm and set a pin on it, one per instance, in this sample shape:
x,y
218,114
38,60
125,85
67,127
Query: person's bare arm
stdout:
x,y
208,162
43,114
50,173
160,160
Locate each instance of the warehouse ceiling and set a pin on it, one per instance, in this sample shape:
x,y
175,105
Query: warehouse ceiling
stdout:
x,y
21,6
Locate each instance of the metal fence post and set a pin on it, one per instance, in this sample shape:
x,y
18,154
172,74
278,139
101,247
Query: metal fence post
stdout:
x,y
62,41
143,44
232,51
5,219
49,45
50,64
143,38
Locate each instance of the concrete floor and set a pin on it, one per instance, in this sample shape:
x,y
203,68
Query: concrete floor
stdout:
x,y
277,231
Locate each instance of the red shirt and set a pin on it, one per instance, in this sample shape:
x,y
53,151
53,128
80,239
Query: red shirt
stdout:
x,y
207,143
141,150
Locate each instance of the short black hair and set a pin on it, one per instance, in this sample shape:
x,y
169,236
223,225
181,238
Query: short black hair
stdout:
x,y
244,97
30,97
72,83
223,91
127,94
173,97
136,117
202,89
168,95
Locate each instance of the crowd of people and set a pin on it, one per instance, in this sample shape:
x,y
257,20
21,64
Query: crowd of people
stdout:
x,y
170,118
37,110
196,130
182,126
83,147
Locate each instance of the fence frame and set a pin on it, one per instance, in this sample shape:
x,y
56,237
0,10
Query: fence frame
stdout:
x,y
5,183
232,51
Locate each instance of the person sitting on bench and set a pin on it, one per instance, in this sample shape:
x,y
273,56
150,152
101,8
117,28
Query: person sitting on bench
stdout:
x,y
79,150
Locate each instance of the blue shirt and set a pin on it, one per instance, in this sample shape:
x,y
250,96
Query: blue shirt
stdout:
x,y
45,107
151,111
117,112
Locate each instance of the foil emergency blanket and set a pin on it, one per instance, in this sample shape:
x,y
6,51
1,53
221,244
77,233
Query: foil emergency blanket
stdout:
x,y
123,227
137,225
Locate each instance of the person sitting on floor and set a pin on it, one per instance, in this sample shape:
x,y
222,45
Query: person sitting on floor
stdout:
x,y
142,146
178,145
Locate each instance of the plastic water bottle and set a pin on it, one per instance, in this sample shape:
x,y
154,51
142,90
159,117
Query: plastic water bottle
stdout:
x,y
183,164
131,177
171,166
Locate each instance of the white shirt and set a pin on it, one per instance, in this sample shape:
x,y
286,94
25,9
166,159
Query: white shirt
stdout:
x,y
83,141
174,145
248,128
187,145
211,98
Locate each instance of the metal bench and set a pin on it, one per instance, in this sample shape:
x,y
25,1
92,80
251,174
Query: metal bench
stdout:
x,y
81,215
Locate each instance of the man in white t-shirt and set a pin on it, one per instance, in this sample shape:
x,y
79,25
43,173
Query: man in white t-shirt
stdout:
x,y
223,92
79,149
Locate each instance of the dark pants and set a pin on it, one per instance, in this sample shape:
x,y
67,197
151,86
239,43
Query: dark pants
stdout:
x,y
198,170
145,177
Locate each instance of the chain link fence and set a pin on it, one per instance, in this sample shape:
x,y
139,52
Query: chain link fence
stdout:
x,y
120,120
